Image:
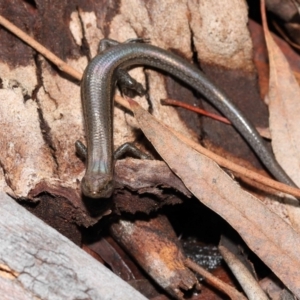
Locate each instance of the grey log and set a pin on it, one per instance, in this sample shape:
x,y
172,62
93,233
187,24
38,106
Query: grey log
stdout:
x,y
37,262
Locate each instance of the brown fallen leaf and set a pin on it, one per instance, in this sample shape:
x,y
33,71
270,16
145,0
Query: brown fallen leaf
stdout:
x,y
241,268
260,56
284,108
274,289
266,234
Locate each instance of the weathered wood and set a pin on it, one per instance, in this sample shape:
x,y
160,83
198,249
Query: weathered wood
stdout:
x,y
38,262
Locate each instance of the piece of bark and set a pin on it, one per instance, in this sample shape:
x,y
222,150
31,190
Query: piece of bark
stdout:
x,y
149,185
154,245
37,260
120,263
141,186
217,39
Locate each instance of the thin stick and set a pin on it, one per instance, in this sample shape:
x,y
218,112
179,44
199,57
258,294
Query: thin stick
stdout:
x,y
263,132
246,279
220,160
194,109
40,48
214,281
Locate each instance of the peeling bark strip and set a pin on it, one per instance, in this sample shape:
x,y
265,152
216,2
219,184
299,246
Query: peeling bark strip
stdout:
x,y
46,265
155,247
141,186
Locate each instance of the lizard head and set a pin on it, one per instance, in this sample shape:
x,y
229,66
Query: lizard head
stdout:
x,y
97,186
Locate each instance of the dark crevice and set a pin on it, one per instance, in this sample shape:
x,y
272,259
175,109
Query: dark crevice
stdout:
x,y
38,76
26,97
147,95
6,177
85,48
194,50
9,271
147,82
31,3
14,84
111,9
45,128
195,61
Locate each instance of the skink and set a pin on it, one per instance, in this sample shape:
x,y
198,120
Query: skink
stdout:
x,y
98,87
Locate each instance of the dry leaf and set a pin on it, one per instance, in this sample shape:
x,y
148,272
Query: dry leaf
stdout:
x,y
284,108
272,239
274,289
241,268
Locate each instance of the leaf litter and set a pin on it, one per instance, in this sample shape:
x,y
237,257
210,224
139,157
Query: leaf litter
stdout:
x,y
266,234
283,99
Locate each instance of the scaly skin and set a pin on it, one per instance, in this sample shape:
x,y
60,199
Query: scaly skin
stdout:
x,y
98,86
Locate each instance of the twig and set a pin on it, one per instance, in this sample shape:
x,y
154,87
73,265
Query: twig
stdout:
x,y
262,131
40,48
214,281
220,160
194,109
238,266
